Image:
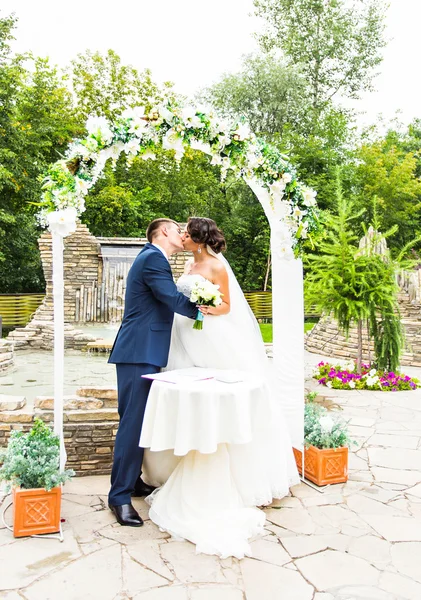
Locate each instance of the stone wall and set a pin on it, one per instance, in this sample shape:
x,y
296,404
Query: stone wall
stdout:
x,y
90,426
7,357
81,264
83,277
325,337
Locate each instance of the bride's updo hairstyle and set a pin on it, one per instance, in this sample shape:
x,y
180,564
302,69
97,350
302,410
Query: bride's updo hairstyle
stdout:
x,y
205,231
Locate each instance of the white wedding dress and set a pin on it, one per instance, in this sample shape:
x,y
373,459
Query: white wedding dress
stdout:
x,y
210,499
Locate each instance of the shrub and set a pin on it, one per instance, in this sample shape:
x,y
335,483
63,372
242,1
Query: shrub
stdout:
x,y
323,430
31,460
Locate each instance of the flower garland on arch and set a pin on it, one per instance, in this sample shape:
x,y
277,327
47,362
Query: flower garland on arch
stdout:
x,y
232,146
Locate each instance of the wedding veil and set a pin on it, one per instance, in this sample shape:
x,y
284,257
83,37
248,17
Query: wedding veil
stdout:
x,y
249,339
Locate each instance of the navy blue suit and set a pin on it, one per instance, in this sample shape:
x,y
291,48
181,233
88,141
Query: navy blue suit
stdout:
x,y
141,346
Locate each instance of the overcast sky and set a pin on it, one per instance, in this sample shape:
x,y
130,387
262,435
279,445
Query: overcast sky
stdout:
x,y
192,42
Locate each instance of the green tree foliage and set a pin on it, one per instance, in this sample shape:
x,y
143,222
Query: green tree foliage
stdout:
x,y
20,265
354,286
268,93
411,142
274,97
102,85
36,124
126,199
384,170
319,152
336,43
248,236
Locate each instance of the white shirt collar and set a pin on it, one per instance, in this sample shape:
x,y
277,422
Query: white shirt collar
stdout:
x,y
162,250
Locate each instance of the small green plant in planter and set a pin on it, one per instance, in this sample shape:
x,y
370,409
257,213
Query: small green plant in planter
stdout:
x,y
326,441
322,430
30,466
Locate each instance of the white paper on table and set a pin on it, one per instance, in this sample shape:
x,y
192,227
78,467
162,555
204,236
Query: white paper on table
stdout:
x,y
181,375
227,376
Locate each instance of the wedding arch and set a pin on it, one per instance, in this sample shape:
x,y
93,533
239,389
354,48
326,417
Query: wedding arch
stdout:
x,y
290,208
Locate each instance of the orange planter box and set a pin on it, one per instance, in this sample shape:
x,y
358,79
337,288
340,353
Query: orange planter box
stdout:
x,y
36,511
322,467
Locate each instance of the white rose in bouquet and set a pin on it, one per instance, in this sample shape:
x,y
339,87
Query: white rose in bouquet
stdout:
x,y
205,293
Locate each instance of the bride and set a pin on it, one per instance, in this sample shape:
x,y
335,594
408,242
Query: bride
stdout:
x,y
211,499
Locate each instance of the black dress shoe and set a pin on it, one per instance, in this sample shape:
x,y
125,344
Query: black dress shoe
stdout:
x,y
126,515
142,489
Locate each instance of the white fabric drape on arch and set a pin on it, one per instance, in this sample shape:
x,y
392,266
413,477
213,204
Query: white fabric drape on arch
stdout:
x,y
288,322
61,224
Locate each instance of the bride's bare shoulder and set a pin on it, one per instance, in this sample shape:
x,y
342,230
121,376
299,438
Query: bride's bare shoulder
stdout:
x,y
218,267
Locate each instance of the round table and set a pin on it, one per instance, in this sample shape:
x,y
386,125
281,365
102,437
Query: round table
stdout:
x,y
200,441
200,415
219,450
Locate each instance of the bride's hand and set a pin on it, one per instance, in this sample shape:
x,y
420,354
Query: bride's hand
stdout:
x,y
205,310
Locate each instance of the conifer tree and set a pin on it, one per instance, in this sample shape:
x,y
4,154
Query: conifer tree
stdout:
x,y
356,285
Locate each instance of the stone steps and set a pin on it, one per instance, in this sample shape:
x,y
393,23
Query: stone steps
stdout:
x,y
7,356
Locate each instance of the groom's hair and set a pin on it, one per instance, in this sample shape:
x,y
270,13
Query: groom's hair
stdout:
x,y
155,226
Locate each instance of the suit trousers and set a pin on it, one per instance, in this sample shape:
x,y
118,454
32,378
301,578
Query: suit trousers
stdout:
x,y
128,456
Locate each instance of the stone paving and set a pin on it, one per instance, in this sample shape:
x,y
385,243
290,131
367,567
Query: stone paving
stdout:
x,y
356,541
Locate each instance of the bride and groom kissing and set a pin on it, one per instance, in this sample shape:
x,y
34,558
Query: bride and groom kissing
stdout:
x,y
156,332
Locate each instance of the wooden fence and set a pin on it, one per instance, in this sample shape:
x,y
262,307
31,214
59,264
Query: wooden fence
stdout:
x,y
260,303
92,305
17,309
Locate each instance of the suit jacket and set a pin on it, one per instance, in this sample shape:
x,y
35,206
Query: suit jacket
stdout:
x,y
152,299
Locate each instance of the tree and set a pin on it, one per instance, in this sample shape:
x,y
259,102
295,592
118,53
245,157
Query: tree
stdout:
x,y
248,236
104,86
386,172
36,124
20,263
356,286
268,93
125,200
274,98
321,150
411,142
336,43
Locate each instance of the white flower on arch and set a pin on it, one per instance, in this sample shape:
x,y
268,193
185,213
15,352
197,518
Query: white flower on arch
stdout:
x,y
231,146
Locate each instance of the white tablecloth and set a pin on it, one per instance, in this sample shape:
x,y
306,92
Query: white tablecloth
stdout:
x,y
199,415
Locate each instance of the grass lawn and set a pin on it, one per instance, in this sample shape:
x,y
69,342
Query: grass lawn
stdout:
x,y
266,329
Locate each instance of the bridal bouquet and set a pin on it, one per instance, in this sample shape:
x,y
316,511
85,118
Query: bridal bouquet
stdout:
x,y
207,294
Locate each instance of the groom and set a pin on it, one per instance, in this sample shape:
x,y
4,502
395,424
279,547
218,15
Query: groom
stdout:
x,y
142,346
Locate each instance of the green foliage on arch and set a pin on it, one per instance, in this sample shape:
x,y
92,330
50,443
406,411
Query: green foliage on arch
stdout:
x,y
171,126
